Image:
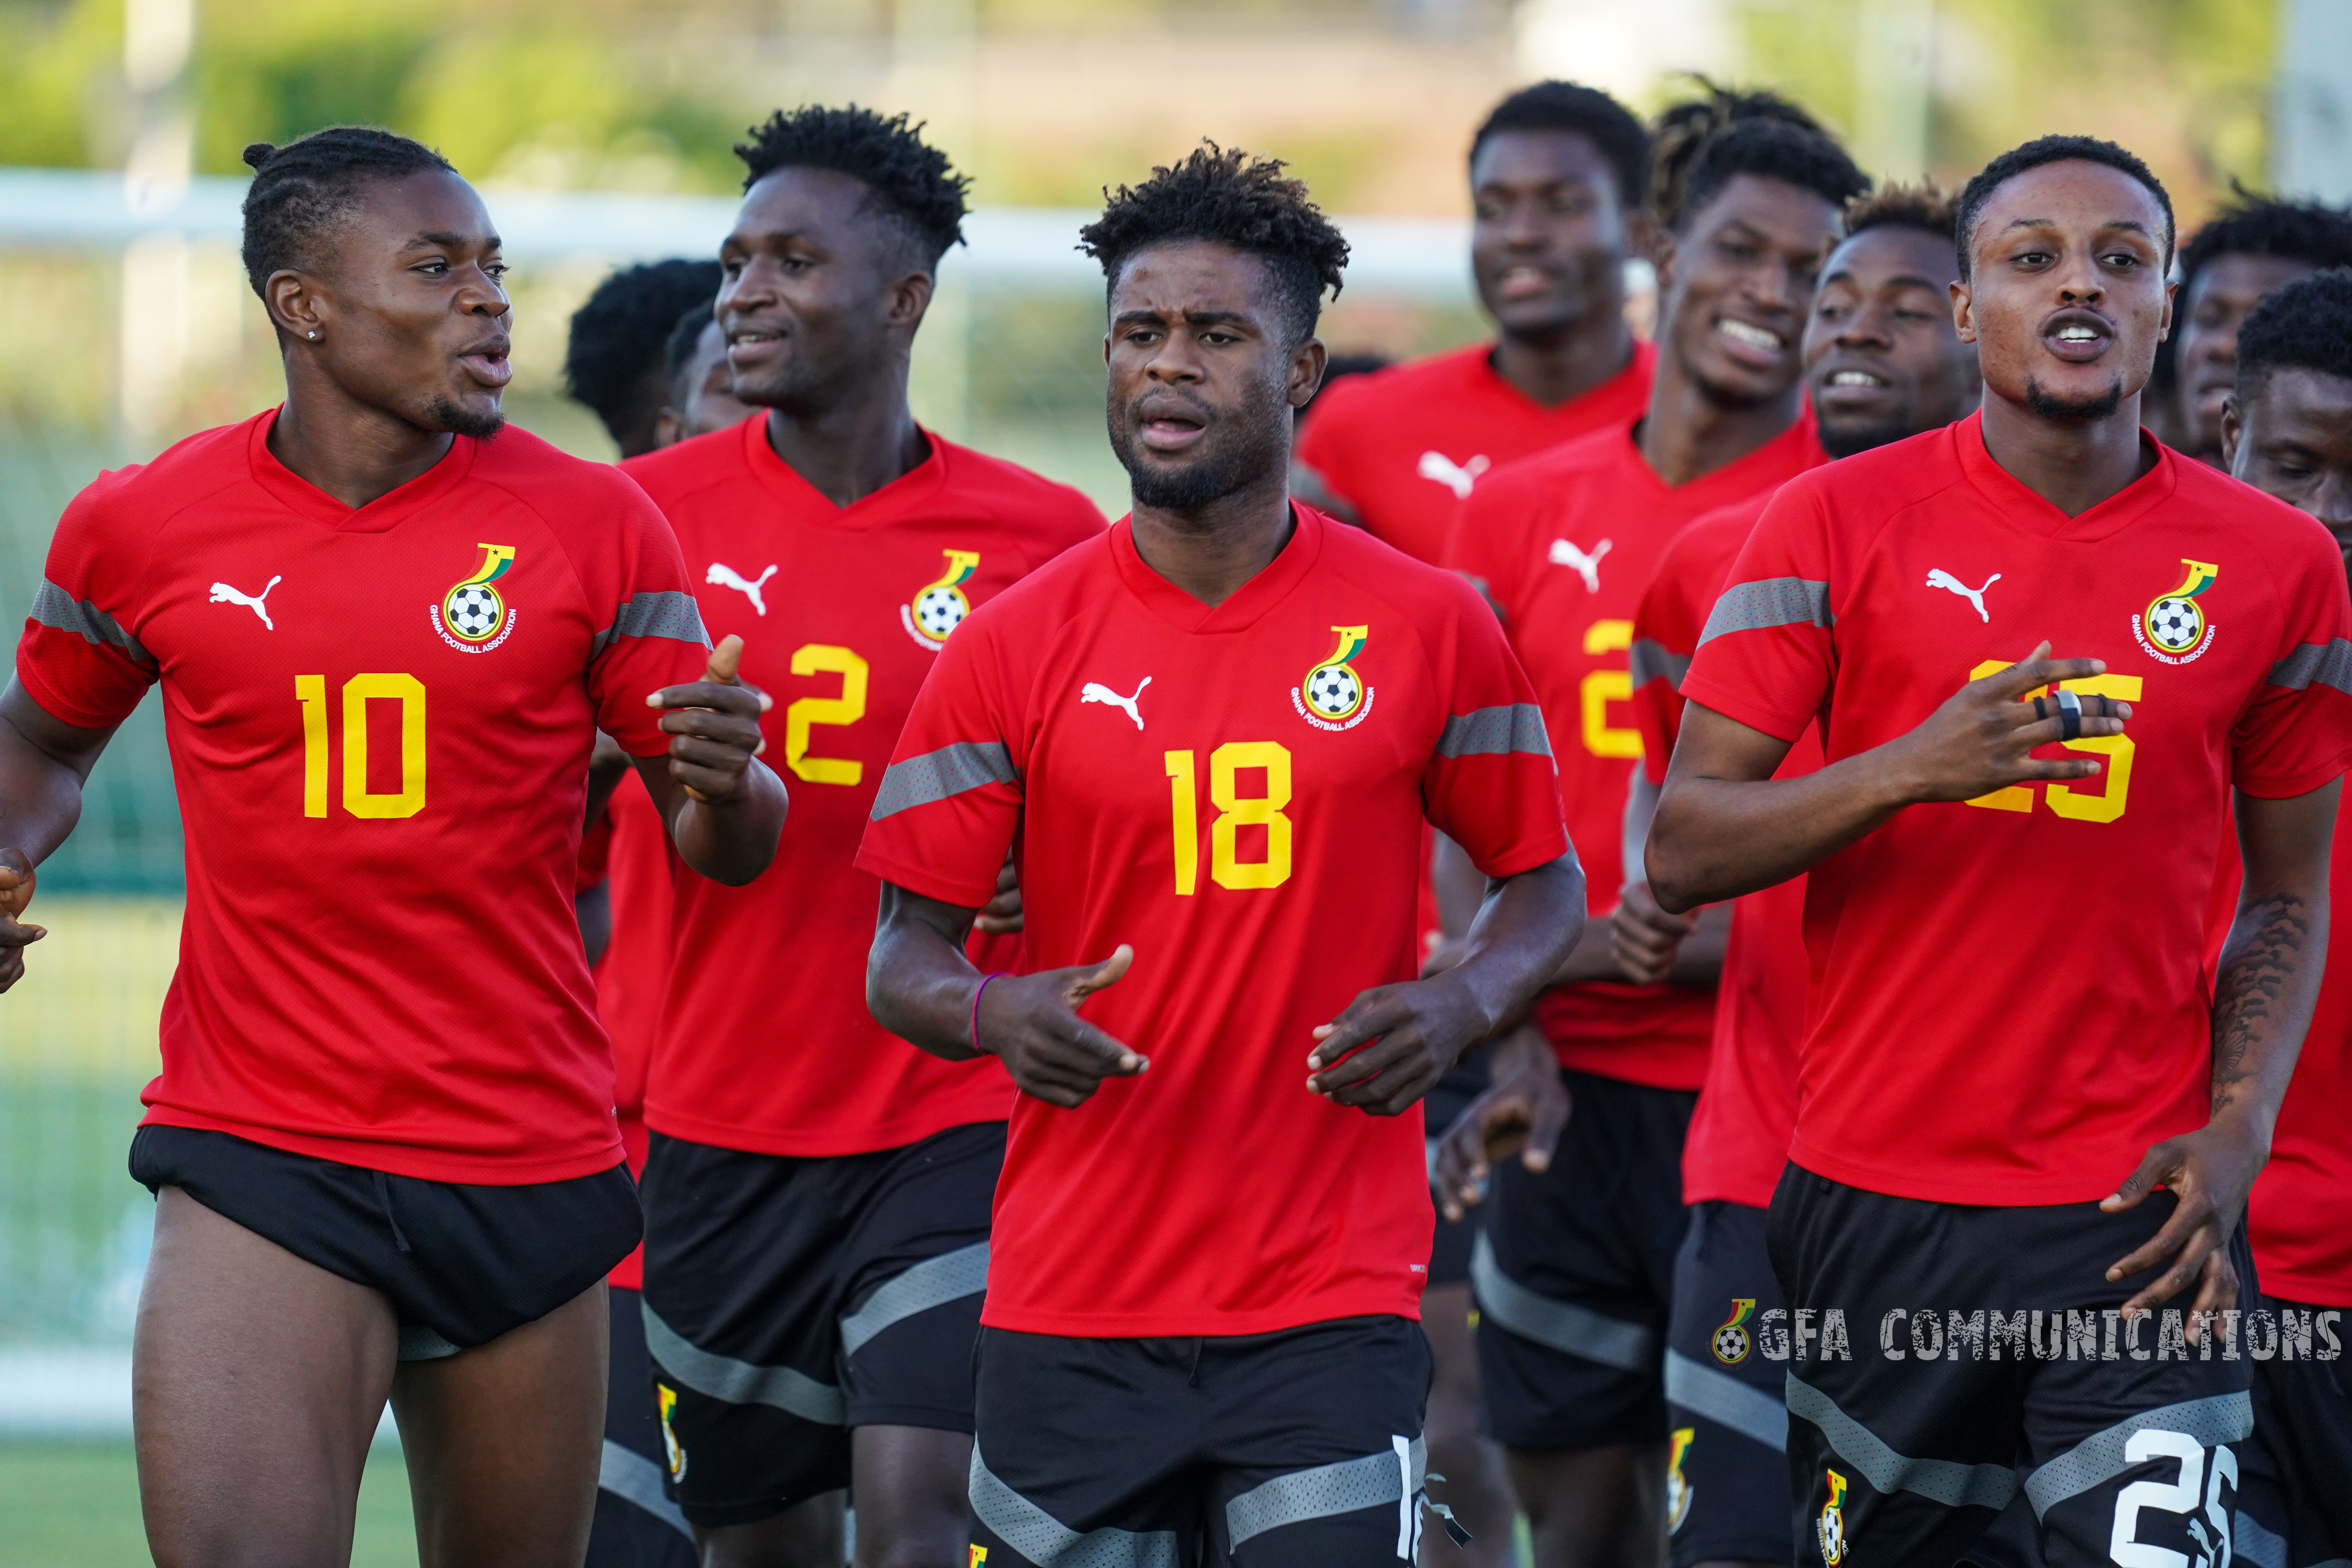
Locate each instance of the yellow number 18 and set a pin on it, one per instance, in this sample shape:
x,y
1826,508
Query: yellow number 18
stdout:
x,y
1235,810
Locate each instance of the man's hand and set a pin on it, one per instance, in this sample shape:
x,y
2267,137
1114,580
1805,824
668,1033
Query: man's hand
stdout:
x,y
1983,737
17,879
1031,1022
714,726
2210,1171
1397,1042
1001,914
1523,1112
1642,938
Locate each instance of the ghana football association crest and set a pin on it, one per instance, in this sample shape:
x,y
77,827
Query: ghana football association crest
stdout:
x,y
1679,1490
1731,1343
1829,1525
473,617
2173,630
939,606
1332,695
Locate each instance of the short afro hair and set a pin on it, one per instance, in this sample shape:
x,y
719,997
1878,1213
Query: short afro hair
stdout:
x,y
685,337
1563,108
310,186
2256,224
1682,130
2307,326
1225,197
1925,206
2039,153
617,336
913,183
1769,149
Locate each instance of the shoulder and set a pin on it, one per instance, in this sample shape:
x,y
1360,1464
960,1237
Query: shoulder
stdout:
x,y
1708,543
1539,475
672,473
144,496
2291,543
551,481
1869,487
1403,387
1020,497
1424,594
1036,606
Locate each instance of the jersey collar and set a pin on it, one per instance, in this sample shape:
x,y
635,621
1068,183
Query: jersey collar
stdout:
x,y
387,511
810,504
2031,512
1247,605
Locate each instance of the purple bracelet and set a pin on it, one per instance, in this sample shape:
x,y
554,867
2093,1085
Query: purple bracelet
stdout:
x,y
975,1005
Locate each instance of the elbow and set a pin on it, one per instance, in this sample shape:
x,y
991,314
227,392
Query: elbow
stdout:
x,y
1672,881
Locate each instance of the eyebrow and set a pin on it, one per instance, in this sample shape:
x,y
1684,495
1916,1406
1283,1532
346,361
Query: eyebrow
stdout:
x,y
2130,225
445,239
1192,318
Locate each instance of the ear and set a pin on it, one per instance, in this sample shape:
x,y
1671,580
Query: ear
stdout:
x,y
2233,430
297,307
670,428
910,298
2164,328
1308,363
1964,320
1643,233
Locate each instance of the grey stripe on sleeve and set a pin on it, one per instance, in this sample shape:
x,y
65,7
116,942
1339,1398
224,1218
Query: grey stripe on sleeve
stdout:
x,y
936,775
2329,663
1768,602
1651,661
668,614
56,608
1494,732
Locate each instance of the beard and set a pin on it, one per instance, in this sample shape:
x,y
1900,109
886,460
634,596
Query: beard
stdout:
x,y
2047,405
1860,435
447,414
1243,448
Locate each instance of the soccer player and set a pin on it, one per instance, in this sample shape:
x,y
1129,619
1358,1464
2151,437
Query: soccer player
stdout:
x,y
1556,178
382,1142
816,1191
701,382
1573,1296
613,360
2287,429
2018,1093
1883,363
2228,268
1213,735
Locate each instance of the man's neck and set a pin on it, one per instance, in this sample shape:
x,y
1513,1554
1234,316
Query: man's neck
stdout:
x,y
354,452
853,448
1686,435
2073,464
1551,370
1212,551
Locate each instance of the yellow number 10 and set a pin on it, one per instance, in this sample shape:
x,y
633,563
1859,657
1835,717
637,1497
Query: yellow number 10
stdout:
x,y
310,691
1234,811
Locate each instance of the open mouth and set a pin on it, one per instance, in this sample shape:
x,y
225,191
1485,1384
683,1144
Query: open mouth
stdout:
x,y
488,363
1751,344
1852,385
1522,281
745,344
2078,337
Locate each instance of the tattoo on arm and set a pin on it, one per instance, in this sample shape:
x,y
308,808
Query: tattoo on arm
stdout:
x,y
2252,987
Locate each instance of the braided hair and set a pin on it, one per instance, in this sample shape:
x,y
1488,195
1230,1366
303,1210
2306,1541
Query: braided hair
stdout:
x,y
308,187
1683,130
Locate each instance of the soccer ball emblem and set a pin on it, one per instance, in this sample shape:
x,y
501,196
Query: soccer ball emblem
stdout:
x,y
1731,1345
1333,690
473,611
2174,624
1829,1531
940,610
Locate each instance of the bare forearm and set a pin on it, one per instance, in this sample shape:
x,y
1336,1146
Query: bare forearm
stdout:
x,y
918,984
2269,980
43,763
1714,839
1524,928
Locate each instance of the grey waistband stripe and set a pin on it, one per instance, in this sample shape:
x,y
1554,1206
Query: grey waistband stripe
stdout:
x,y
930,1283
60,611
1947,1481
1373,1482
1495,731
637,1480
741,1381
1768,602
663,615
1562,1325
1711,1392
2329,663
2218,1418
419,1342
1649,660
936,775
2250,1542
1049,1543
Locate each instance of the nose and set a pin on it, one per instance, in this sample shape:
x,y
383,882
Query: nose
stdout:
x,y
1866,328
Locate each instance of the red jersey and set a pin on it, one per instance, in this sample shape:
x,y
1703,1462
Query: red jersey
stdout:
x,y
2010,1003
635,967
1405,446
1739,1137
1564,542
380,723
766,1044
1238,791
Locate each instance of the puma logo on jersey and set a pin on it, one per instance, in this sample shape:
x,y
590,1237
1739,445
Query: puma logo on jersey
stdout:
x,y
725,576
1455,476
1095,691
224,595
1939,578
1564,553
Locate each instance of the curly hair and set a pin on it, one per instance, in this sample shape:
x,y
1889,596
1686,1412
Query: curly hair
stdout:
x,y
1564,107
1226,196
2037,153
913,183
2257,224
1925,206
308,187
617,336
1772,150
2307,326
1683,130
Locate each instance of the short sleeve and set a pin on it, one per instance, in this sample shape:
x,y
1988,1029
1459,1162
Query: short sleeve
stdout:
x,y
1765,658
80,658
1491,784
1665,631
2296,734
951,801
649,628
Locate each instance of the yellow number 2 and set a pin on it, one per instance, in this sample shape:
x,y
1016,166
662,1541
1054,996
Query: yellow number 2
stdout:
x,y
1235,810
822,658
310,693
2070,801
1602,687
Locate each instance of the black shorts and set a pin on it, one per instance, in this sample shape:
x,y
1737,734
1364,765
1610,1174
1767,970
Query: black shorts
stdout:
x,y
1450,1244
789,1300
1985,1368
1300,1447
461,1264
2294,1508
1574,1275
637,1526
1728,1464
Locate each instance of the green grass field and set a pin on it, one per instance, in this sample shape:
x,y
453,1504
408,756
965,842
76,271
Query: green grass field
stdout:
x,y
78,1503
